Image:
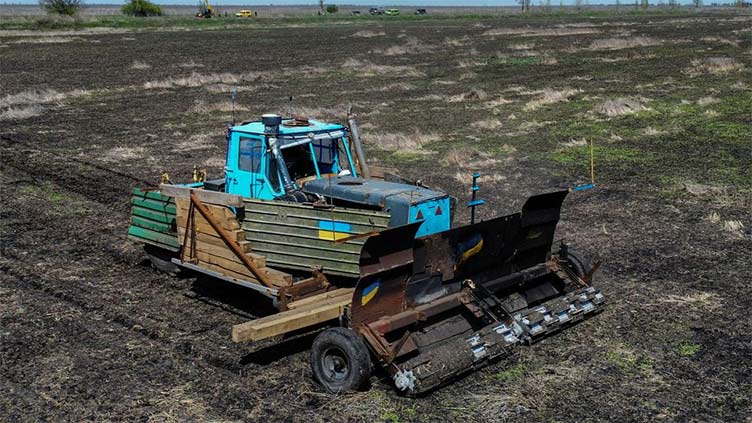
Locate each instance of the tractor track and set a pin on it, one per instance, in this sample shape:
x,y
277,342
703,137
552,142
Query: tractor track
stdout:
x,y
94,326
124,319
103,302
30,147
95,187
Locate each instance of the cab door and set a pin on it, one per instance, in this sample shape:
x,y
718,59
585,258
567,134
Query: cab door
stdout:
x,y
244,170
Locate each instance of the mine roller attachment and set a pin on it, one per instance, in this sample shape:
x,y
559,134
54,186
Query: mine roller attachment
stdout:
x,y
433,308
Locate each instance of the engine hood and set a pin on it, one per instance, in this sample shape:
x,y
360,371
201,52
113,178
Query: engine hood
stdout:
x,y
406,203
372,192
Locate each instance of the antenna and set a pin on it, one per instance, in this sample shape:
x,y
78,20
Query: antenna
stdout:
x,y
233,96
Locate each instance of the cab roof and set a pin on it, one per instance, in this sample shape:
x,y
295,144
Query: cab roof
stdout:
x,y
315,126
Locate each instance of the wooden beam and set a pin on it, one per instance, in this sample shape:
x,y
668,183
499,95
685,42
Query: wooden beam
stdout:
x,y
219,269
238,235
337,293
232,243
228,262
202,224
288,321
223,214
224,252
211,197
277,277
205,240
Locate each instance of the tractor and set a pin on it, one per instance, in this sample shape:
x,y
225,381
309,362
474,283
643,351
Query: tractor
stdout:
x,y
300,217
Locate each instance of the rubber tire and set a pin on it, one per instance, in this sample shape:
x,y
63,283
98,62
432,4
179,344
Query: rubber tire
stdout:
x,y
352,347
161,259
578,263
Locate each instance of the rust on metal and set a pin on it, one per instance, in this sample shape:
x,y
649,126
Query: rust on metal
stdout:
x,y
410,299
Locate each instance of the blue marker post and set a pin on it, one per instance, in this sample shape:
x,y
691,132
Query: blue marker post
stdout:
x,y
474,202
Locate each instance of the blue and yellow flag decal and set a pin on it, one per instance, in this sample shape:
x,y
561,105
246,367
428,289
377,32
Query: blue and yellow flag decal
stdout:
x,y
369,292
331,230
469,248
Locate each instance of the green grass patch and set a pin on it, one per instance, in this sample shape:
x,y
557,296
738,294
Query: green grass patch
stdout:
x,y
404,156
686,349
512,373
603,155
628,362
390,417
45,192
582,128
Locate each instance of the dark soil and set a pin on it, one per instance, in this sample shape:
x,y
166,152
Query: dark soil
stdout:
x,y
89,332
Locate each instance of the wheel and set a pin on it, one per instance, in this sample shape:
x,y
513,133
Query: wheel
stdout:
x,y
340,360
578,263
161,259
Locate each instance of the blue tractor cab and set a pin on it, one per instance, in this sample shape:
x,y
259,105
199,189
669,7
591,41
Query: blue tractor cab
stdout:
x,y
267,159
295,159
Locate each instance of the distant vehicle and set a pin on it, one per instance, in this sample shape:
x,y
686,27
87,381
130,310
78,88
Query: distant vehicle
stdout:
x,y
392,12
376,11
355,12
206,12
245,13
420,11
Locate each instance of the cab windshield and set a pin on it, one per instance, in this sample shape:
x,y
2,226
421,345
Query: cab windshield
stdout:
x,y
316,158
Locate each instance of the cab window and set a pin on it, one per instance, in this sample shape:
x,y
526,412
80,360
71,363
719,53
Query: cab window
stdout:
x,y
250,153
326,154
299,162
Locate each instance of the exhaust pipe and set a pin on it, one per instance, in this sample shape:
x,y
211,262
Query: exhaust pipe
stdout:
x,y
271,128
355,131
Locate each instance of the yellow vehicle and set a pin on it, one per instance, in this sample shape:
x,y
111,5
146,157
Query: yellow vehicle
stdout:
x,y
206,12
392,12
245,13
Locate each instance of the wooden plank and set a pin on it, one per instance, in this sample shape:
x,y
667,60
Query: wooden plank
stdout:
x,y
225,217
339,213
341,292
288,321
227,225
223,251
215,241
238,235
219,269
155,195
233,263
162,239
220,212
277,278
153,215
211,197
154,205
151,224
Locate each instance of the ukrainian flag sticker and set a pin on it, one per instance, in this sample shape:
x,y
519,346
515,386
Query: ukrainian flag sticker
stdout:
x,y
331,230
369,292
